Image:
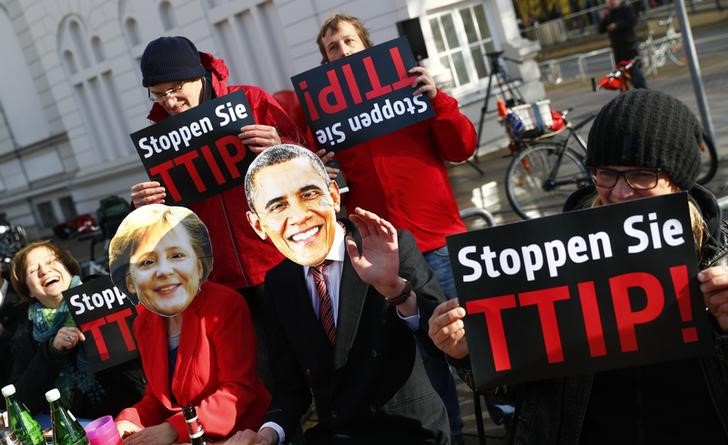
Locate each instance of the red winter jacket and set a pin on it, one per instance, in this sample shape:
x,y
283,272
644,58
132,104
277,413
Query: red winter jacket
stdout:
x,y
402,176
215,370
241,258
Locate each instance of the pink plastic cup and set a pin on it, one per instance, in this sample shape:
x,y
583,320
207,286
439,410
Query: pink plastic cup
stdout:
x,y
102,431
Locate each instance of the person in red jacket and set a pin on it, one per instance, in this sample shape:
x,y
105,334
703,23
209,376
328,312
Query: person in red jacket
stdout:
x,y
195,337
402,176
179,78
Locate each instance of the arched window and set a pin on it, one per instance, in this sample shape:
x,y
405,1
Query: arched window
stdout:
x,y
132,32
97,49
252,43
166,15
94,90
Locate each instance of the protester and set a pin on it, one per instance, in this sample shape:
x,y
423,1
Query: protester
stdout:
x,y
402,177
342,312
619,20
179,78
45,350
195,338
633,155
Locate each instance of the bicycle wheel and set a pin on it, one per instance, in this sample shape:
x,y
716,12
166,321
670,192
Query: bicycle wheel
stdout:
x,y
708,160
540,178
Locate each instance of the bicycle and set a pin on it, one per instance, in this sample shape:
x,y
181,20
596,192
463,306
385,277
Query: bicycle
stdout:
x,y
668,47
619,79
544,172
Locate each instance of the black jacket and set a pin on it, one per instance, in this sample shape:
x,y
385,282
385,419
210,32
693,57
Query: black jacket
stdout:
x,y
372,386
12,311
622,39
36,367
554,411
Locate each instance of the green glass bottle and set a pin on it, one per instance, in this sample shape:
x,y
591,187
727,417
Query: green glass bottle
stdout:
x,y
26,429
66,429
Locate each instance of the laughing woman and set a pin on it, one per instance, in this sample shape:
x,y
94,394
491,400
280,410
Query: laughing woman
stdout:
x,y
46,347
195,337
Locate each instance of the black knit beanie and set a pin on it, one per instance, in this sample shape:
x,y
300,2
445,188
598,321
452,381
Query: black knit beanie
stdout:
x,y
167,59
647,128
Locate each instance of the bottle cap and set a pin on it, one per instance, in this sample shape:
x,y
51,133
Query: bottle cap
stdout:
x,y
8,390
53,395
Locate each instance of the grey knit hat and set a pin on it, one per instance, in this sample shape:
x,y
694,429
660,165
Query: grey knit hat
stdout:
x,y
167,59
647,128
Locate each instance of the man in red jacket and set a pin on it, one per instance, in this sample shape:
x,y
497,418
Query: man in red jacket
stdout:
x,y
179,78
402,177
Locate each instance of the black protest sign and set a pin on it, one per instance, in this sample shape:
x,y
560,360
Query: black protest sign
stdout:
x,y
198,153
105,315
604,288
362,96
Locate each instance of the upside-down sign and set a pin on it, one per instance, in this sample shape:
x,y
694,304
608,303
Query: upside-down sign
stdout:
x,y
198,153
609,287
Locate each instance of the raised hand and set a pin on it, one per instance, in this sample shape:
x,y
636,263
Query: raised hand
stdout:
x,y
378,263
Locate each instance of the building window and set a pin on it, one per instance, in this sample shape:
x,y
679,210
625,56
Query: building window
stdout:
x,y
46,213
461,39
68,207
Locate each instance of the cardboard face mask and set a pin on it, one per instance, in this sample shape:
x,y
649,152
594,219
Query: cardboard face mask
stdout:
x,y
162,255
296,208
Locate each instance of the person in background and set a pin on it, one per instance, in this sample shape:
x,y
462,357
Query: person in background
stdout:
x,y
178,78
195,337
402,177
619,20
342,311
635,155
45,350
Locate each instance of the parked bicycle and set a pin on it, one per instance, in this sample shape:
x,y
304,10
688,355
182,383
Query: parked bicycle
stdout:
x,y
546,171
669,47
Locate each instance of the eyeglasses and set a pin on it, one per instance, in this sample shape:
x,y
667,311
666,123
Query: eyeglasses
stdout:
x,y
160,97
637,179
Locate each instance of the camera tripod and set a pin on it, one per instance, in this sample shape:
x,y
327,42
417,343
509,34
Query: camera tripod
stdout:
x,y
497,74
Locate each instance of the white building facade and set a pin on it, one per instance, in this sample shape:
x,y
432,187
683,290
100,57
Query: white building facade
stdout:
x,y
70,85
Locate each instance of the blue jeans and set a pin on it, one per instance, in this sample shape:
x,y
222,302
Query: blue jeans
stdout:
x,y
439,261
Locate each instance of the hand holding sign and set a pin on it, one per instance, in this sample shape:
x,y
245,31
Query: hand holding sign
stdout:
x,y
67,338
714,285
425,81
447,330
259,137
150,192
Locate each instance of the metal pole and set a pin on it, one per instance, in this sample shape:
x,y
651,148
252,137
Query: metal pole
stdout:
x,y
689,45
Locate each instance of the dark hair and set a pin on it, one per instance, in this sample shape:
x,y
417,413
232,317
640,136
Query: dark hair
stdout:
x,y
278,154
331,24
20,264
